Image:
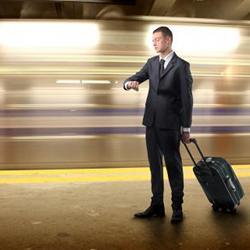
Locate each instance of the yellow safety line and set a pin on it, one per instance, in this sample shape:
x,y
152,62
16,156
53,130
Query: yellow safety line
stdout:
x,y
93,175
72,171
92,170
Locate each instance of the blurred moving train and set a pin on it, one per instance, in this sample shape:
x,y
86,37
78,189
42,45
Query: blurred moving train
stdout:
x,y
62,102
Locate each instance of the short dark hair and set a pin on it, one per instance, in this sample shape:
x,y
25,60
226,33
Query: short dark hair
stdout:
x,y
165,31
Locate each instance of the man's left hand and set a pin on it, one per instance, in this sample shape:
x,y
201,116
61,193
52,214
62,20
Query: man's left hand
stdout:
x,y
185,137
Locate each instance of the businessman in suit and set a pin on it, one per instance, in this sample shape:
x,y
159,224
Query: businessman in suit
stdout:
x,y
167,117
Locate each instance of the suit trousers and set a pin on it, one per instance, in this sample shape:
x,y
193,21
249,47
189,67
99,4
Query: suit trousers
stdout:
x,y
165,143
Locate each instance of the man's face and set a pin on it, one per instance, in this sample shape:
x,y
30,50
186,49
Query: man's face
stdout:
x,y
160,42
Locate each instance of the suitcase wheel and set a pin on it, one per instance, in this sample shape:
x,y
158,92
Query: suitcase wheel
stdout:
x,y
231,210
225,210
217,208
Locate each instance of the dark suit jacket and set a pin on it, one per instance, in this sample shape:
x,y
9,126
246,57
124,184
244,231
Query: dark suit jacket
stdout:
x,y
169,102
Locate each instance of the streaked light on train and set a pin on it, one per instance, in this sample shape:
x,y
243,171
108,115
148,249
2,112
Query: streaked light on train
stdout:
x,y
46,35
83,82
201,40
95,82
68,81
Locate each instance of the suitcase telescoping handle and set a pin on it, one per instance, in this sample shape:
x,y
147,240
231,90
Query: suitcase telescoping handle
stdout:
x,y
193,140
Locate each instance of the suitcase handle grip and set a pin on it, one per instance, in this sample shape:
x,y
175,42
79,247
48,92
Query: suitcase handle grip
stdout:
x,y
230,183
193,140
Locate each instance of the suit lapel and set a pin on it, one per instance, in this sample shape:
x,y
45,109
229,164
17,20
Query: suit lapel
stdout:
x,y
170,66
157,67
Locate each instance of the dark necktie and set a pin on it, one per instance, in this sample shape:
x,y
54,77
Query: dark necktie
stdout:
x,y
162,61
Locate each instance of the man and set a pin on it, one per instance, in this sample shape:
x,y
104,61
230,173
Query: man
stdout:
x,y
167,117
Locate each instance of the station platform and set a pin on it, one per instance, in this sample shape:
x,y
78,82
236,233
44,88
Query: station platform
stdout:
x,y
92,209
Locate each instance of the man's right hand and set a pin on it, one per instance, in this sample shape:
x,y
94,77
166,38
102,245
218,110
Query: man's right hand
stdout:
x,y
133,85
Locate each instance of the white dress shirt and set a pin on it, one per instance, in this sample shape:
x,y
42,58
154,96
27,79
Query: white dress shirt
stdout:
x,y
167,58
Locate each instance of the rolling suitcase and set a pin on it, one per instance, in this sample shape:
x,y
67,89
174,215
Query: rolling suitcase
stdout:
x,y
218,181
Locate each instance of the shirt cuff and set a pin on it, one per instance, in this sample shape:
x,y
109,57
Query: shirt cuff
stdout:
x,y
126,85
186,130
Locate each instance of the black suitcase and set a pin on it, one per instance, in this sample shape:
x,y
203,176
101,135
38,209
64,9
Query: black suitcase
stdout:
x,y
218,181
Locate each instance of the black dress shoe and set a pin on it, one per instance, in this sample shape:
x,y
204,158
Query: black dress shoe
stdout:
x,y
152,211
177,216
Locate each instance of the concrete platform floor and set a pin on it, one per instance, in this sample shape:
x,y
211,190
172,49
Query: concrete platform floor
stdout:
x,y
99,216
